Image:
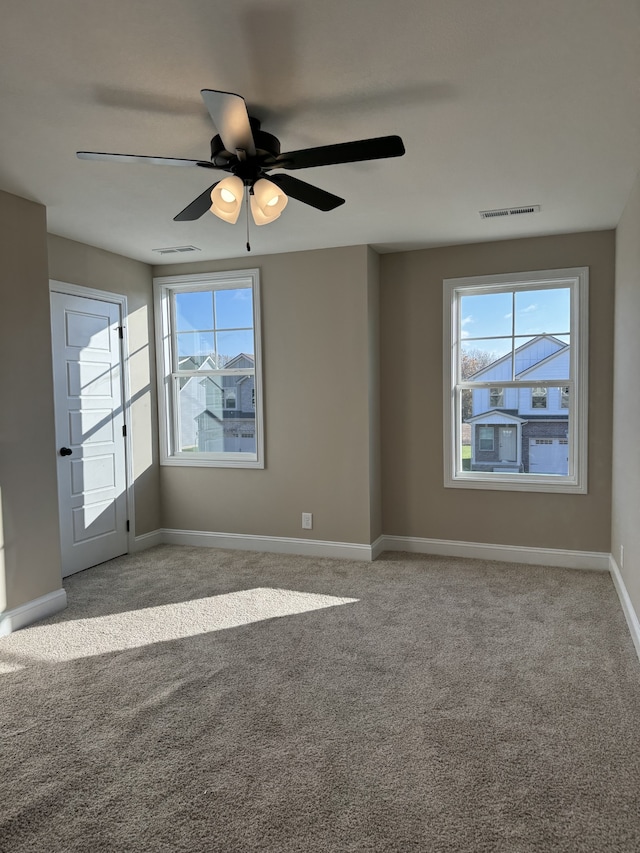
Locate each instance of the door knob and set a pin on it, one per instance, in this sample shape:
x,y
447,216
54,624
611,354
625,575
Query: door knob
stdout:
x,y
65,451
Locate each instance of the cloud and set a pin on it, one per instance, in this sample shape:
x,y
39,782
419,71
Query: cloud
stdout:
x,y
465,334
508,316
528,309
466,320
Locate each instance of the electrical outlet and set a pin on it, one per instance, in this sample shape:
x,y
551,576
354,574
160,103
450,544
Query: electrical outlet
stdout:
x,y
307,521
622,556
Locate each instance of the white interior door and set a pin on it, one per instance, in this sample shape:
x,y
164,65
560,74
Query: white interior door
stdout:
x,y
87,368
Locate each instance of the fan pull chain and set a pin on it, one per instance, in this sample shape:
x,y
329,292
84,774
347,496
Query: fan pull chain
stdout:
x,y
247,207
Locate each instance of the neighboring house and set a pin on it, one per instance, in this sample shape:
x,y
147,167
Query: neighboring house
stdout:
x,y
217,413
523,429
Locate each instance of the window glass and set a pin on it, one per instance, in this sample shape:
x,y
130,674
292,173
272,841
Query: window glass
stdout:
x,y
194,310
496,397
479,354
487,315
542,312
210,358
538,398
234,308
485,438
516,375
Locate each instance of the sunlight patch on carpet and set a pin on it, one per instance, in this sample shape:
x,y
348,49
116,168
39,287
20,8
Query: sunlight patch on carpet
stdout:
x,y
81,638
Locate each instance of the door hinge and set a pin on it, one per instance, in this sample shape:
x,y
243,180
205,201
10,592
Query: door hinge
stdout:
x,y
128,527
124,431
121,332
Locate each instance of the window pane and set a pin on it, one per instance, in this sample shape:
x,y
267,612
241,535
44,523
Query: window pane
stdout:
x,y
234,308
193,344
541,312
542,358
538,398
232,344
194,310
496,398
216,414
503,442
486,438
485,316
477,355
477,401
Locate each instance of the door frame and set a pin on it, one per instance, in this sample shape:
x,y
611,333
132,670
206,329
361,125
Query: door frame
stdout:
x,y
120,300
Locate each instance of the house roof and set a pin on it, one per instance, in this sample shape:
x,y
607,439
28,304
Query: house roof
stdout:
x,y
249,356
520,349
484,95
542,361
503,413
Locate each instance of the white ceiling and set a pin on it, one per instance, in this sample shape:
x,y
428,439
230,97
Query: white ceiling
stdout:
x,y
499,103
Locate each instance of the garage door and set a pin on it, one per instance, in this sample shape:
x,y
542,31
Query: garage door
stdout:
x,y
548,456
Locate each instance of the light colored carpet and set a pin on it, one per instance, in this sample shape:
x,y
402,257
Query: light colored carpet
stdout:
x,y
204,700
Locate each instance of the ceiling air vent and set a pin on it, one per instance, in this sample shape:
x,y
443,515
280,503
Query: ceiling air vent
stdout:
x,y
175,250
509,211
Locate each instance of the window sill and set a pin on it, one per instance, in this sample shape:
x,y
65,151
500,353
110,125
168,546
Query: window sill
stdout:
x,y
190,461
516,483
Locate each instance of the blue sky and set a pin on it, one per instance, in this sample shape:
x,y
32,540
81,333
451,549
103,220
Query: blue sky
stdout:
x,y
197,333
536,312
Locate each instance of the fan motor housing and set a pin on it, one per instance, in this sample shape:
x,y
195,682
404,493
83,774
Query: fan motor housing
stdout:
x,y
267,145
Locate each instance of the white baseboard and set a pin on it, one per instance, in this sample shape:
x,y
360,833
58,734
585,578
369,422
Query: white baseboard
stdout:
x,y
353,551
510,553
147,540
32,611
627,606
271,544
377,547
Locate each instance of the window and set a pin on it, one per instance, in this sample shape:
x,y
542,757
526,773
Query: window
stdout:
x,y
496,398
485,438
209,369
539,398
516,343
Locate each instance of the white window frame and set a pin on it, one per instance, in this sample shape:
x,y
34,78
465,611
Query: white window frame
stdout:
x,y
164,287
577,280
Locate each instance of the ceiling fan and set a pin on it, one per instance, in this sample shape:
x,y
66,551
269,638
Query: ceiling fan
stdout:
x,y
250,155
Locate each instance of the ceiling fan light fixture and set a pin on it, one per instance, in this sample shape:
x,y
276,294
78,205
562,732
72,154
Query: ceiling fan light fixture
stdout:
x,y
226,199
267,201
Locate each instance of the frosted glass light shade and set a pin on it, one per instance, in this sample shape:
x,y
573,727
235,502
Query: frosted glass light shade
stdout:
x,y
267,201
226,199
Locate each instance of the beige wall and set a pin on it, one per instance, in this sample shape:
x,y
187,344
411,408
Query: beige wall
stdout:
x,y
76,263
316,340
414,500
375,448
626,409
29,535
353,401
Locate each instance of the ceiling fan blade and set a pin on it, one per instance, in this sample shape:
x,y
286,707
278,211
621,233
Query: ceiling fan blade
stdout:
x,y
198,207
343,152
231,119
140,158
307,193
